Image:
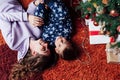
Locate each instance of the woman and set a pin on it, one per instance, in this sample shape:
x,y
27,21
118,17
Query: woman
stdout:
x,y
23,37
15,27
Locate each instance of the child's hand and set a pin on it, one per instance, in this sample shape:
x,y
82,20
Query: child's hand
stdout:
x,y
35,21
38,1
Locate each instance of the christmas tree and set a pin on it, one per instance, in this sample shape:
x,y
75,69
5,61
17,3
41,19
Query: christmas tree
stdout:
x,y
105,13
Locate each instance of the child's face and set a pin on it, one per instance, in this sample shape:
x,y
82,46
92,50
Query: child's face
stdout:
x,y
61,43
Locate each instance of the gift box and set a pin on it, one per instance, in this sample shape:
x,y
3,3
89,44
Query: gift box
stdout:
x,y
94,34
113,54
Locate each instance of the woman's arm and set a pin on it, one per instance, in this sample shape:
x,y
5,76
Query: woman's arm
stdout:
x,y
12,11
15,12
13,16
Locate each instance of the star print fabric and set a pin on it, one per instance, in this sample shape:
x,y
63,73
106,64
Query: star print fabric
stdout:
x,y
40,11
58,23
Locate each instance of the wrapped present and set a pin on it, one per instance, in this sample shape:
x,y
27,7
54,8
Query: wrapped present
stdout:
x,y
95,35
113,54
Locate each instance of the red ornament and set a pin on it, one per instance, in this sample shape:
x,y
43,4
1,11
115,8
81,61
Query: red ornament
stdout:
x,y
118,28
93,17
87,16
112,39
114,13
95,23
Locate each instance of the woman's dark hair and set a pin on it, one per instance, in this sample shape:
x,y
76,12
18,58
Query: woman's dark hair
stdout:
x,y
30,64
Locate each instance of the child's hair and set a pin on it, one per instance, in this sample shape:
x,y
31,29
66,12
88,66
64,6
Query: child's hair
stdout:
x,y
30,64
69,53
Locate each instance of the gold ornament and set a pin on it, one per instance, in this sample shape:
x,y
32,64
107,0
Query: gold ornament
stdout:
x,y
95,5
100,9
89,0
105,1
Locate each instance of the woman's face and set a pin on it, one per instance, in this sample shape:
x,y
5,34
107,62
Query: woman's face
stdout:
x,y
44,48
40,47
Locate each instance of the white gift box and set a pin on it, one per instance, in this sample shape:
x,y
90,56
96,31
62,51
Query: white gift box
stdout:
x,y
113,58
113,54
94,34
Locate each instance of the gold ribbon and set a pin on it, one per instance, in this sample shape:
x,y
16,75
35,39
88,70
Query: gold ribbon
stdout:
x,y
115,50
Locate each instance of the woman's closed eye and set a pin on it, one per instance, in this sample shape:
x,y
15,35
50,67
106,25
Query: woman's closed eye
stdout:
x,y
63,42
43,49
59,45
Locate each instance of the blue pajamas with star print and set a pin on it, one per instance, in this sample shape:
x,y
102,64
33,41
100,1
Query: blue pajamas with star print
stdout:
x,y
58,23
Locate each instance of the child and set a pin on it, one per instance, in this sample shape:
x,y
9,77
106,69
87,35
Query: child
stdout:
x,y
64,48
58,26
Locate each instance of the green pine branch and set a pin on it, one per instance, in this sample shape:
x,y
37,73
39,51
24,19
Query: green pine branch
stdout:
x,y
111,21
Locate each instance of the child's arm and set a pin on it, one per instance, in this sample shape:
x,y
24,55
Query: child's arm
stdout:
x,y
34,20
33,5
62,17
59,10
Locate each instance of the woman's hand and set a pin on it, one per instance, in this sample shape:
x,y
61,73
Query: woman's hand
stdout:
x,y
35,21
38,1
